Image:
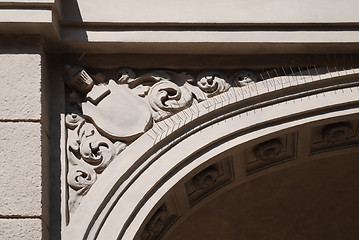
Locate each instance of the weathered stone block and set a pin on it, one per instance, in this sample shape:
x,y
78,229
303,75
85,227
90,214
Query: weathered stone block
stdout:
x,y
20,78
20,229
20,169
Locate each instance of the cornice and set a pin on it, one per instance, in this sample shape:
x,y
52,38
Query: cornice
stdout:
x,y
79,26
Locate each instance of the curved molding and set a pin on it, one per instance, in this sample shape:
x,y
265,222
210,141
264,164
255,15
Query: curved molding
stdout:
x,y
134,183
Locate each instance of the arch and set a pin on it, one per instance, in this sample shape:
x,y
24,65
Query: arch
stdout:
x,y
320,115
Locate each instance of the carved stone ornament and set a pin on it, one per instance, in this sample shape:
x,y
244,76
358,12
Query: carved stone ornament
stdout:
x,y
157,223
212,82
166,215
88,154
243,78
206,179
108,113
268,150
337,133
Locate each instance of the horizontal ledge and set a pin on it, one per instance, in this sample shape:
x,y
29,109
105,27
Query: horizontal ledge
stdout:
x,y
220,48
25,16
211,36
295,26
26,5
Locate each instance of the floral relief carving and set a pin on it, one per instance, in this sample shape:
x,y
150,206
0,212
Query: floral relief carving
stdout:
x,y
107,113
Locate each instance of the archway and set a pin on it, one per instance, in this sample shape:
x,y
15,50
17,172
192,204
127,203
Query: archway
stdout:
x,y
156,181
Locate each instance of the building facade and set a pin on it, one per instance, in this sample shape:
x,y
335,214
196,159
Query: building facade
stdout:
x,y
179,120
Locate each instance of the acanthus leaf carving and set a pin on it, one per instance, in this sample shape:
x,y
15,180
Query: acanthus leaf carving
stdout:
x,y
88,153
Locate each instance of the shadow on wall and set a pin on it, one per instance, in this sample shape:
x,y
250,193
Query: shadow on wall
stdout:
x,y
71,13
56,101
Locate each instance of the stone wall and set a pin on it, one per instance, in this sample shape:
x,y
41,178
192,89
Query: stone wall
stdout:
x,y
45,35
23,139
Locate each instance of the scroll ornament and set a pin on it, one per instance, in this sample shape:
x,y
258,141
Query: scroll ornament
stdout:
x,y
88,154
111,112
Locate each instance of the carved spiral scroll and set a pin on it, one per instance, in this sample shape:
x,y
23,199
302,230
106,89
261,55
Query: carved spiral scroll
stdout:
x,y
88,152
81,177
166,98
97,152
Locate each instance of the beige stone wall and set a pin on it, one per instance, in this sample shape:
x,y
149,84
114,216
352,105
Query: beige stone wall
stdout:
x,y
22,137
224,35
